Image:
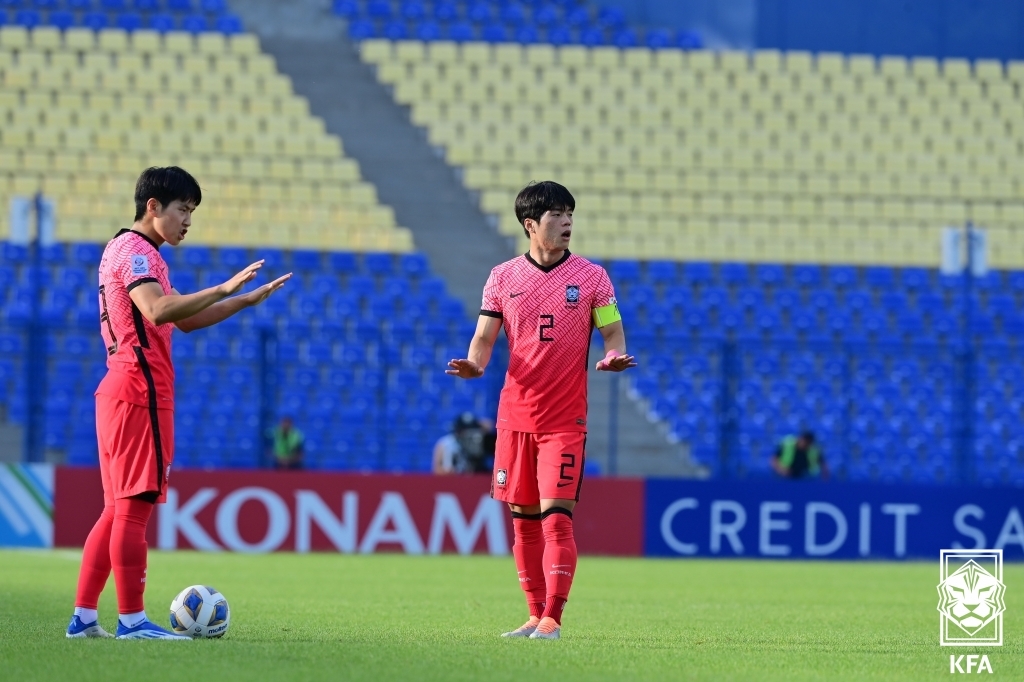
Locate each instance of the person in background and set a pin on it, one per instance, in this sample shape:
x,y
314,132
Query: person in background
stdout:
x,y
288,445
467,449
800,457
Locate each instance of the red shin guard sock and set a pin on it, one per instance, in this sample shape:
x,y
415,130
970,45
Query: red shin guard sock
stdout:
x,y
128,552
92,577
528,551
559,560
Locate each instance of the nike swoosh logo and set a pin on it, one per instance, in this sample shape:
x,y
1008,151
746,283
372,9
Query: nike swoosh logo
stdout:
x,y
562,485
514,295
561,565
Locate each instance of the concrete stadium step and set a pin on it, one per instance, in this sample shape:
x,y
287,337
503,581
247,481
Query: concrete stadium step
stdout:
x,y
310,45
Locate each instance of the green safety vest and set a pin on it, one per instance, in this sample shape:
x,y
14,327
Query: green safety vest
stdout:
x,y
789,454
285,443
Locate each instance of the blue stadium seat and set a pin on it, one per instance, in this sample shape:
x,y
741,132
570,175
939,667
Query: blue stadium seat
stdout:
x,y
512,14
114,5
578,17
842,276
146,5
347,9
592,36
60,19
428,31
396,30
213,6
658,38
379,9
624,271
342,262
194,23
361,30
227,25
28,18
559,35
697,273
97,21
446,11
479,12
689,40
413,10
162,23
129,22
879,277
545,15
461,33
494,33
180,6
526,35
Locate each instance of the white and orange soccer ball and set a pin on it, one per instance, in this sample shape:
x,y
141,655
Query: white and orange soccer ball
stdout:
x,y
201,612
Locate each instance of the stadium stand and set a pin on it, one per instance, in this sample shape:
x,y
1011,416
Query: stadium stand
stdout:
x,y
354,332
729,156
558,22
773,224
358,341
84,111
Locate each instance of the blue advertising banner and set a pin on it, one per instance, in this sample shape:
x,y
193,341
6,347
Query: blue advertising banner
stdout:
x,y
815,520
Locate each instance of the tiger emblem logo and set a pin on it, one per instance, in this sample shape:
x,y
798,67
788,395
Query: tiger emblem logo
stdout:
x,y
971,598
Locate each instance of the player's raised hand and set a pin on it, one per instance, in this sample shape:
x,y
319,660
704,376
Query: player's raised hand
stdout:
x,y
257,296
234,284
613,362
466,369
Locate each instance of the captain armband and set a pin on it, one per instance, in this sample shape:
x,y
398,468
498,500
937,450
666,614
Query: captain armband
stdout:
x,y
607,314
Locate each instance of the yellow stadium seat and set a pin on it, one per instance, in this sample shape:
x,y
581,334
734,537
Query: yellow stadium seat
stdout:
x,y
212,44
443,52
13,37
893,66
46,38
798,62
956,69
113,40
244,44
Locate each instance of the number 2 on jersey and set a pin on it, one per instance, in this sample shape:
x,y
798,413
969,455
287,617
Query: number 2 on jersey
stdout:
x,y
546,322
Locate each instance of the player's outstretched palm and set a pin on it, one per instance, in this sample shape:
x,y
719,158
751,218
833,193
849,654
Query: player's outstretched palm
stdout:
x,y
466,369
616,363
235,284
257,296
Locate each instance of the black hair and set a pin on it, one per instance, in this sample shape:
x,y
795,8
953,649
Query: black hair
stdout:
x,y
808,436
538,198
165,185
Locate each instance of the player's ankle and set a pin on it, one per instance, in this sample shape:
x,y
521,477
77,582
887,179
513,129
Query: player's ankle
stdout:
x,y
133,620
87,615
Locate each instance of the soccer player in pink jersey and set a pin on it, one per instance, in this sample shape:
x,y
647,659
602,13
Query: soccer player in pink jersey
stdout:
x,y
548,301
135,400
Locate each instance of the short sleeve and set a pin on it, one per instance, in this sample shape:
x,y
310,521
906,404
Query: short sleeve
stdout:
x,y
137,267
604,293
491,306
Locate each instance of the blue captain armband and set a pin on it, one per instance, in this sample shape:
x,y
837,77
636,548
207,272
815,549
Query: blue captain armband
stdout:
x,y
605,315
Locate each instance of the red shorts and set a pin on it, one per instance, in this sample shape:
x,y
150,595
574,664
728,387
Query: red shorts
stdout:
x,y
530,467
136,448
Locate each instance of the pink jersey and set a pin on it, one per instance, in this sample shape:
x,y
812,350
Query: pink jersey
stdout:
x,y
547,315
139,368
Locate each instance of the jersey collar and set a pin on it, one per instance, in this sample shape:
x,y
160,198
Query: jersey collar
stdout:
x,y
548,268
126,231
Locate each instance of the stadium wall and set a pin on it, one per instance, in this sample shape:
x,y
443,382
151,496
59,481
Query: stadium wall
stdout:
x,y
422,514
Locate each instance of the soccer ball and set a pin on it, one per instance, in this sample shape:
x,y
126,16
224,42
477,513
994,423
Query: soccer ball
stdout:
x,y
200,611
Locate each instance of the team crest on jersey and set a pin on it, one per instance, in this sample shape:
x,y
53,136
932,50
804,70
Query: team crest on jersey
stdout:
x,y
140,265
572,294
501,477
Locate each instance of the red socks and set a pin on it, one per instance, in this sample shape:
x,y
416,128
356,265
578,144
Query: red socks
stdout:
x,y
128,552
528,551
92,577
118,541
559,560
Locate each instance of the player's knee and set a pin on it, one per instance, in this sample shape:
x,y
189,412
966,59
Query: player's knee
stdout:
x,y
555,510
527,517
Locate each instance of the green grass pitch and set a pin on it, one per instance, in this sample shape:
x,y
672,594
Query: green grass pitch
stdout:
x,y
392,617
